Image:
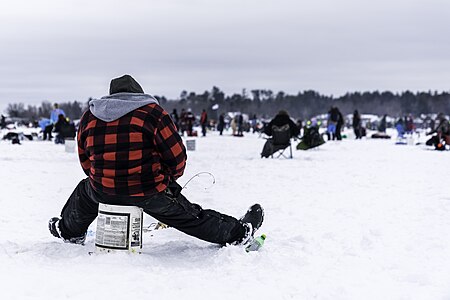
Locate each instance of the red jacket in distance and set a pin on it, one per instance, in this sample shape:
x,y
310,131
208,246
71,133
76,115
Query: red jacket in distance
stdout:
x,y
203,118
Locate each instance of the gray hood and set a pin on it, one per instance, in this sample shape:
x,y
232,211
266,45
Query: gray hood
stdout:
x,y
112,107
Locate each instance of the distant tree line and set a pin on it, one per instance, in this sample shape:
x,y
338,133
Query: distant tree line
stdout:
x,y
267,103
310,103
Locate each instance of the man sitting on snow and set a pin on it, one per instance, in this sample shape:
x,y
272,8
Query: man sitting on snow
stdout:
x,y
132,154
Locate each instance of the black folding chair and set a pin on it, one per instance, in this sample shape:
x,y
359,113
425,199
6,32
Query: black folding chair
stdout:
x,y
281,140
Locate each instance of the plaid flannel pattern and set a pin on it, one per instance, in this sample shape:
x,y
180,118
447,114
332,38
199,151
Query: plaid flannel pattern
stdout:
x,y
136,155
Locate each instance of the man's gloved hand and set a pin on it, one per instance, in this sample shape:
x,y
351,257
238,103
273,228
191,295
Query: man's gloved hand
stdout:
x,y
174,188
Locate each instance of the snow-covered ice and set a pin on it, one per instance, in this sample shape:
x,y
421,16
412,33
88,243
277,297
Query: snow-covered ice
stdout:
x,y
350,220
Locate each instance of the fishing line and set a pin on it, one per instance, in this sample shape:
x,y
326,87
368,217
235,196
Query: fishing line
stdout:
x,y
198,175
160,225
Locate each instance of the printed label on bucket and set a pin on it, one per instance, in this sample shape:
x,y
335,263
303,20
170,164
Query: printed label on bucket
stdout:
x,y
135,232
112,230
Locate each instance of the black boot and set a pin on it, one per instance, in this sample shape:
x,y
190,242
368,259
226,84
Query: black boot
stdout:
x,y
53,226
252,220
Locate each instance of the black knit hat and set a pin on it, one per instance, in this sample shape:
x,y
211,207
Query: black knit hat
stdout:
x,y
125,84
283,113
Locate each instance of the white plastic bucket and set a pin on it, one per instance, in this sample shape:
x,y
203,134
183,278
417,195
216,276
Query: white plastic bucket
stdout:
x,y
190,145
410,140
119,228
69,145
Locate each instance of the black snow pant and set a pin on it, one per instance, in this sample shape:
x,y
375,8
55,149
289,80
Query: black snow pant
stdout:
x,y
48,132
357,131
169,207
338,132
204,129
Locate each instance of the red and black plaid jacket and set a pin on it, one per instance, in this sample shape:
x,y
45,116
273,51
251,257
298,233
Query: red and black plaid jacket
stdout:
x,y
135,155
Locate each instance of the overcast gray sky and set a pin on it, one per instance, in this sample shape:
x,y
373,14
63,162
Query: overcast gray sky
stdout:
x,y
64,50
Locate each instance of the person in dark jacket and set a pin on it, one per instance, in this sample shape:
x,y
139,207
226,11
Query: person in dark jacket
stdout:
x,y
175,119
221,124
132,154
240,125
356,123
441,133
3,122
190,119
64,130
383,125
339,124
182,122
281,120
299,125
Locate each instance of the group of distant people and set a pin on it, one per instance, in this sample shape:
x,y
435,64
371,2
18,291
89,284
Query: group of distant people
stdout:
x,y
185,121
236,125
59,124
440,130
56,123
281,129
405,126
311,137
335,123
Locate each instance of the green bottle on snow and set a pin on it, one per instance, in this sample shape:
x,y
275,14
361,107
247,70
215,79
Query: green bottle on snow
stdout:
x,y
256,244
